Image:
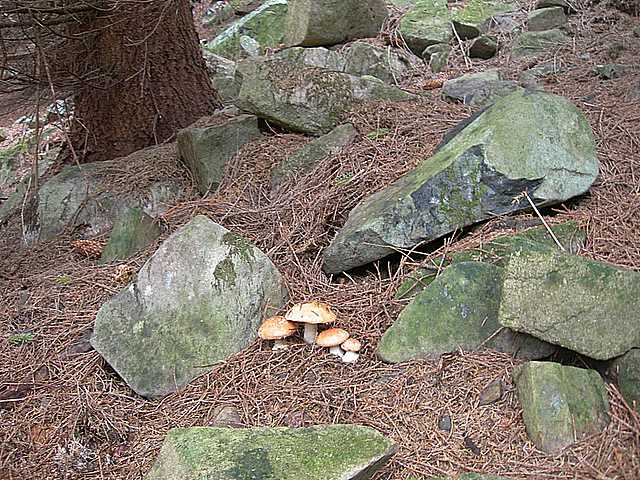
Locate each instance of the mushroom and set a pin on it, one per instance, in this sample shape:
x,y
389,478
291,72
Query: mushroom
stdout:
x,y
332,338
311,314
276,329
351,347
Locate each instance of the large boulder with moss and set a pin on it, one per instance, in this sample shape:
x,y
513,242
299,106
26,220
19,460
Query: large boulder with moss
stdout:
x,y
132,231
474,18
93,195
628,369
358,58
264,25
560,404
197,300
207,146
317,23
306,99
581,304
331,452
305,159
534,142
459,310
426,23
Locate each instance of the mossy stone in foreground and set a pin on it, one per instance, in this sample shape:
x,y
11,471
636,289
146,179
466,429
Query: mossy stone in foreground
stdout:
x,y
586,306
197,300
560,404
536,142
458,310
133,231
332,452
628,367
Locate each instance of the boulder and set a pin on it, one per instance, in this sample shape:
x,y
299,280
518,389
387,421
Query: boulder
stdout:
x,y
207,146
132,231
478,89
459,310
628,368
197,300
317,23
78,196
483,47
437,55
331,452
426,23
309,99
305,159
358,58
223,77
533,43
473,20
536,142
560,404
546,19
265,25
586,306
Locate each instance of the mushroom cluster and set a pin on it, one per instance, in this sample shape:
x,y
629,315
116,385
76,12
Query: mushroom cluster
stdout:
x,y
311,314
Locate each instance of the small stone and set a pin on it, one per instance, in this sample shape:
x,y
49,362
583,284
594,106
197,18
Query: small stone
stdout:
x,y
491,393
444,423
227,416
479,89
483,47
438,56
636,31
471,445
546,19
560,404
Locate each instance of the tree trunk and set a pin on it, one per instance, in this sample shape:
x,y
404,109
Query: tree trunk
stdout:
x,y
150,78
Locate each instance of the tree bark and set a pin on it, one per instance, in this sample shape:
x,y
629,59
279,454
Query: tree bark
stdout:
x,y
149,78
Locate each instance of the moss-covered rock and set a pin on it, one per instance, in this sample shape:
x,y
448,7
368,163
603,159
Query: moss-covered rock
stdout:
x,y
546,19
628,367
211,142
473,19
426,23
560,404
478,89
305,159
332,452
533,43
306,99
536,142
77,196
197,300
132,231
459,310
317,23
580,304
265,25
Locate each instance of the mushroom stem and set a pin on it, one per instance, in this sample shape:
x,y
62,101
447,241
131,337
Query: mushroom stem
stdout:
x,y
279,344
350,357
310,333
337,351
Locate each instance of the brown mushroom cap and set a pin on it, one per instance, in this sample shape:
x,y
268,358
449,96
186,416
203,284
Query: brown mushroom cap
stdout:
x,y
332,337
311,312
275,328
351,345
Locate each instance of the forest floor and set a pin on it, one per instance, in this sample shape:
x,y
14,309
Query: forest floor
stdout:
x,y
64,413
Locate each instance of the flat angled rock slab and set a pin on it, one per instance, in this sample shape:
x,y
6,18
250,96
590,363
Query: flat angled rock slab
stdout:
x,y
306,99
332,452
317,23
197,300
536,142
580,304
458,310
560,404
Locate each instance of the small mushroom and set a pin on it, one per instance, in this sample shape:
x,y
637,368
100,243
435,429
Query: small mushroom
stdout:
x,y
311,314
351,346
277,329
332,338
